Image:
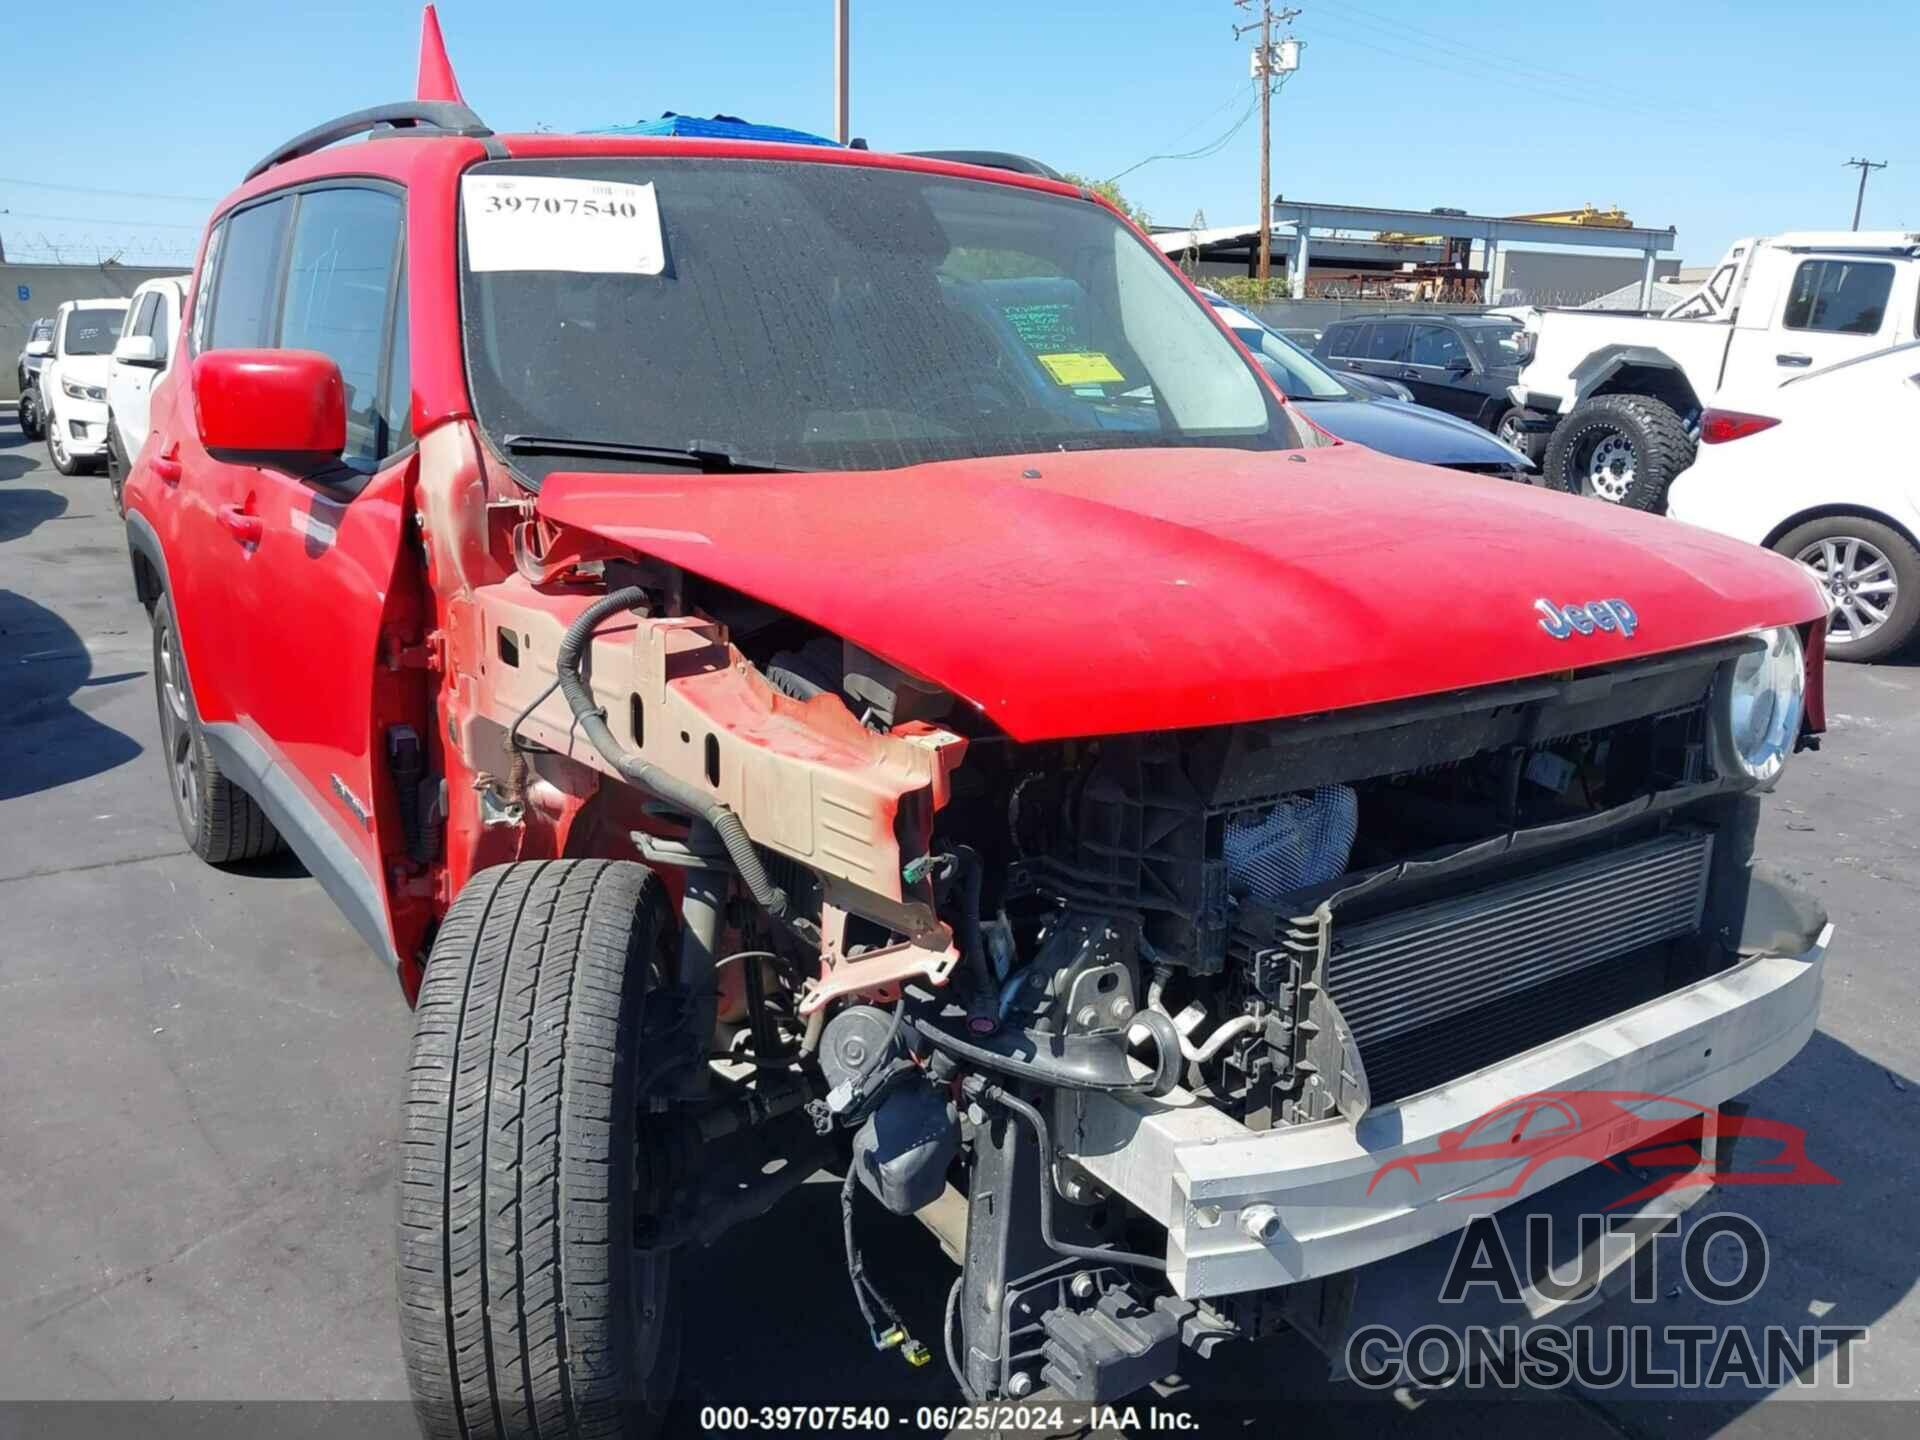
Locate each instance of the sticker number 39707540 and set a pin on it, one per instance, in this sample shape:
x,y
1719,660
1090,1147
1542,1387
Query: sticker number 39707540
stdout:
x,y
557,222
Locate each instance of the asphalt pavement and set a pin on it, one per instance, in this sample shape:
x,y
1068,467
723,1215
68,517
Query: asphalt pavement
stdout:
x,y
200,1074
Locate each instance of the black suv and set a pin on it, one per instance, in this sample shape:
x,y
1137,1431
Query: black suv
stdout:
x,y
1461,364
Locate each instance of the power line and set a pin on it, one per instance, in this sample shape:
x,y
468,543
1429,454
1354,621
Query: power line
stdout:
x,y
1212,147
91,190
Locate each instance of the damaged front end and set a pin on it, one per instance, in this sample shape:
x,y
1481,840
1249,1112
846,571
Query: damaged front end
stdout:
x,y
1132,1022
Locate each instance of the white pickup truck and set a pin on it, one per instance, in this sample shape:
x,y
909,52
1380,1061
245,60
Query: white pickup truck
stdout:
x,y
1624,393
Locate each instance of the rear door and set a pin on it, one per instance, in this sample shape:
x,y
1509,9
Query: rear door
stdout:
x,y
319,578
1342,347
195,498
1834,307
1388,342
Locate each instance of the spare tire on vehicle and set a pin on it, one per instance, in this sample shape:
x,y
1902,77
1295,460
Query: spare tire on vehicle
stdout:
x,y
1624,449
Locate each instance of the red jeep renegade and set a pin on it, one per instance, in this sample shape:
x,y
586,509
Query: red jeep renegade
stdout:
x,y
804,657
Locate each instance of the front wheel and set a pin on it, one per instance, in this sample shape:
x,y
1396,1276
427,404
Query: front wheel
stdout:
x,y
527,1305
116,469
1871,573
57,451
1624,449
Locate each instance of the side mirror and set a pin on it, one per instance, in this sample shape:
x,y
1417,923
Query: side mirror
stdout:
x,y
1459,365
39,349
282,410
137,350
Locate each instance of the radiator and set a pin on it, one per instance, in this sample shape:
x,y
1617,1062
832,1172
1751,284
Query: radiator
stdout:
x,y
1436,990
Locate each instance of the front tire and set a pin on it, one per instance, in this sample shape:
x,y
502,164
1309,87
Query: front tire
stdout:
x,y
1624,449
1871,573
63,458
526,1307
116,469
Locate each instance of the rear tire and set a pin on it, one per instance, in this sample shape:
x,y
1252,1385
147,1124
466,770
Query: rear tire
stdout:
x,y
526,1307
28,413
1507,428
1624,449
222,823
1867,569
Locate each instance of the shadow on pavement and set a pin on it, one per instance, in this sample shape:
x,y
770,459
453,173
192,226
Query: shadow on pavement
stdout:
x,y
45,740
24,511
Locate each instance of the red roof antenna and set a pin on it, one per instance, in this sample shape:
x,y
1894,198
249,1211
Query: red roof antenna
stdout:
x,y
436,71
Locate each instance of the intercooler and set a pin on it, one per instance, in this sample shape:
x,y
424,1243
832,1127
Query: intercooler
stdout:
x,y
1434,991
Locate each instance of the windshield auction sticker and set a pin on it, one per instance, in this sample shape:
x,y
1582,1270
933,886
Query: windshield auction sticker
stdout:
x,y
1084,367
556,222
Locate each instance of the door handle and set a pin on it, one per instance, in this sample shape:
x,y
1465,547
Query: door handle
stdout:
x,y
167,465
245,526
1797,360
1409,374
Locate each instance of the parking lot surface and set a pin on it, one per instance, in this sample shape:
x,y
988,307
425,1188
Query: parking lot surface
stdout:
x,y
200,1074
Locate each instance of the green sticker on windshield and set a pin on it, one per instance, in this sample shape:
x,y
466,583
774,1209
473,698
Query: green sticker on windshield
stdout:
x,y
1082,367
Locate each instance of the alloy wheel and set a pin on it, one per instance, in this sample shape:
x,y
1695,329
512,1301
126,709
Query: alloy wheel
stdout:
x,y
1861,586
176,727
1609,468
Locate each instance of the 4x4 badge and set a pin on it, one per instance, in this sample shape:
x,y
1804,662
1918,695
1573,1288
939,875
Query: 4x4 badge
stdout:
x,y
1562,621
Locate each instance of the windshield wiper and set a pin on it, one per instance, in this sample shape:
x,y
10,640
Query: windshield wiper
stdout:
x,y
694,455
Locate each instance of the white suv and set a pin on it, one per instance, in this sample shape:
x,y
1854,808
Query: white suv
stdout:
x,y
73,382
141,359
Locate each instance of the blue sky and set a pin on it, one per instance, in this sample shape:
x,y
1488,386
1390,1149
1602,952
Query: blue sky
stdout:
x,y
1717,119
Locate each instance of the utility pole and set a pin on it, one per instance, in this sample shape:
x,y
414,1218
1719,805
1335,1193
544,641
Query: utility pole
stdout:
x,y
1860,200
842,123
1264,68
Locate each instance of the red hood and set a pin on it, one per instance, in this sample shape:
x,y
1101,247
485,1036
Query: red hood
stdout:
x,y
1102,592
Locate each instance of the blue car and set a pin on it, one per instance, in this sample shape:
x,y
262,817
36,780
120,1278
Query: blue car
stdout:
x,y
1377,413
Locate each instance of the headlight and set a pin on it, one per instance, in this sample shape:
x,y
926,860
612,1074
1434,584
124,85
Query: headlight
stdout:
x,y
1764,704
77,391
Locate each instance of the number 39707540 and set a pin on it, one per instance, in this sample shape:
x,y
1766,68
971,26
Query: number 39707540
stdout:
x,y
560,205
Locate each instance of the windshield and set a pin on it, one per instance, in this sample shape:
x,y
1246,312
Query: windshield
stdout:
x,y
1500,343
92,332
826,316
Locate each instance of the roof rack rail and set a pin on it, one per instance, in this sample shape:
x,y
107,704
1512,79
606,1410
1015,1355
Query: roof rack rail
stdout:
x,y
993,160
421,117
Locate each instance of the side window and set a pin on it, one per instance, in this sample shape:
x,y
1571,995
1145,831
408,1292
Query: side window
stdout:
x,y
159,328
1436,345
1389,341
203,289
346,247
247,287
1843,297
1344,344
138,316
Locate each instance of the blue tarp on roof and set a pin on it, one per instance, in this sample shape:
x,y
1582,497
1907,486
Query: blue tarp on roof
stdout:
x,y
720,127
